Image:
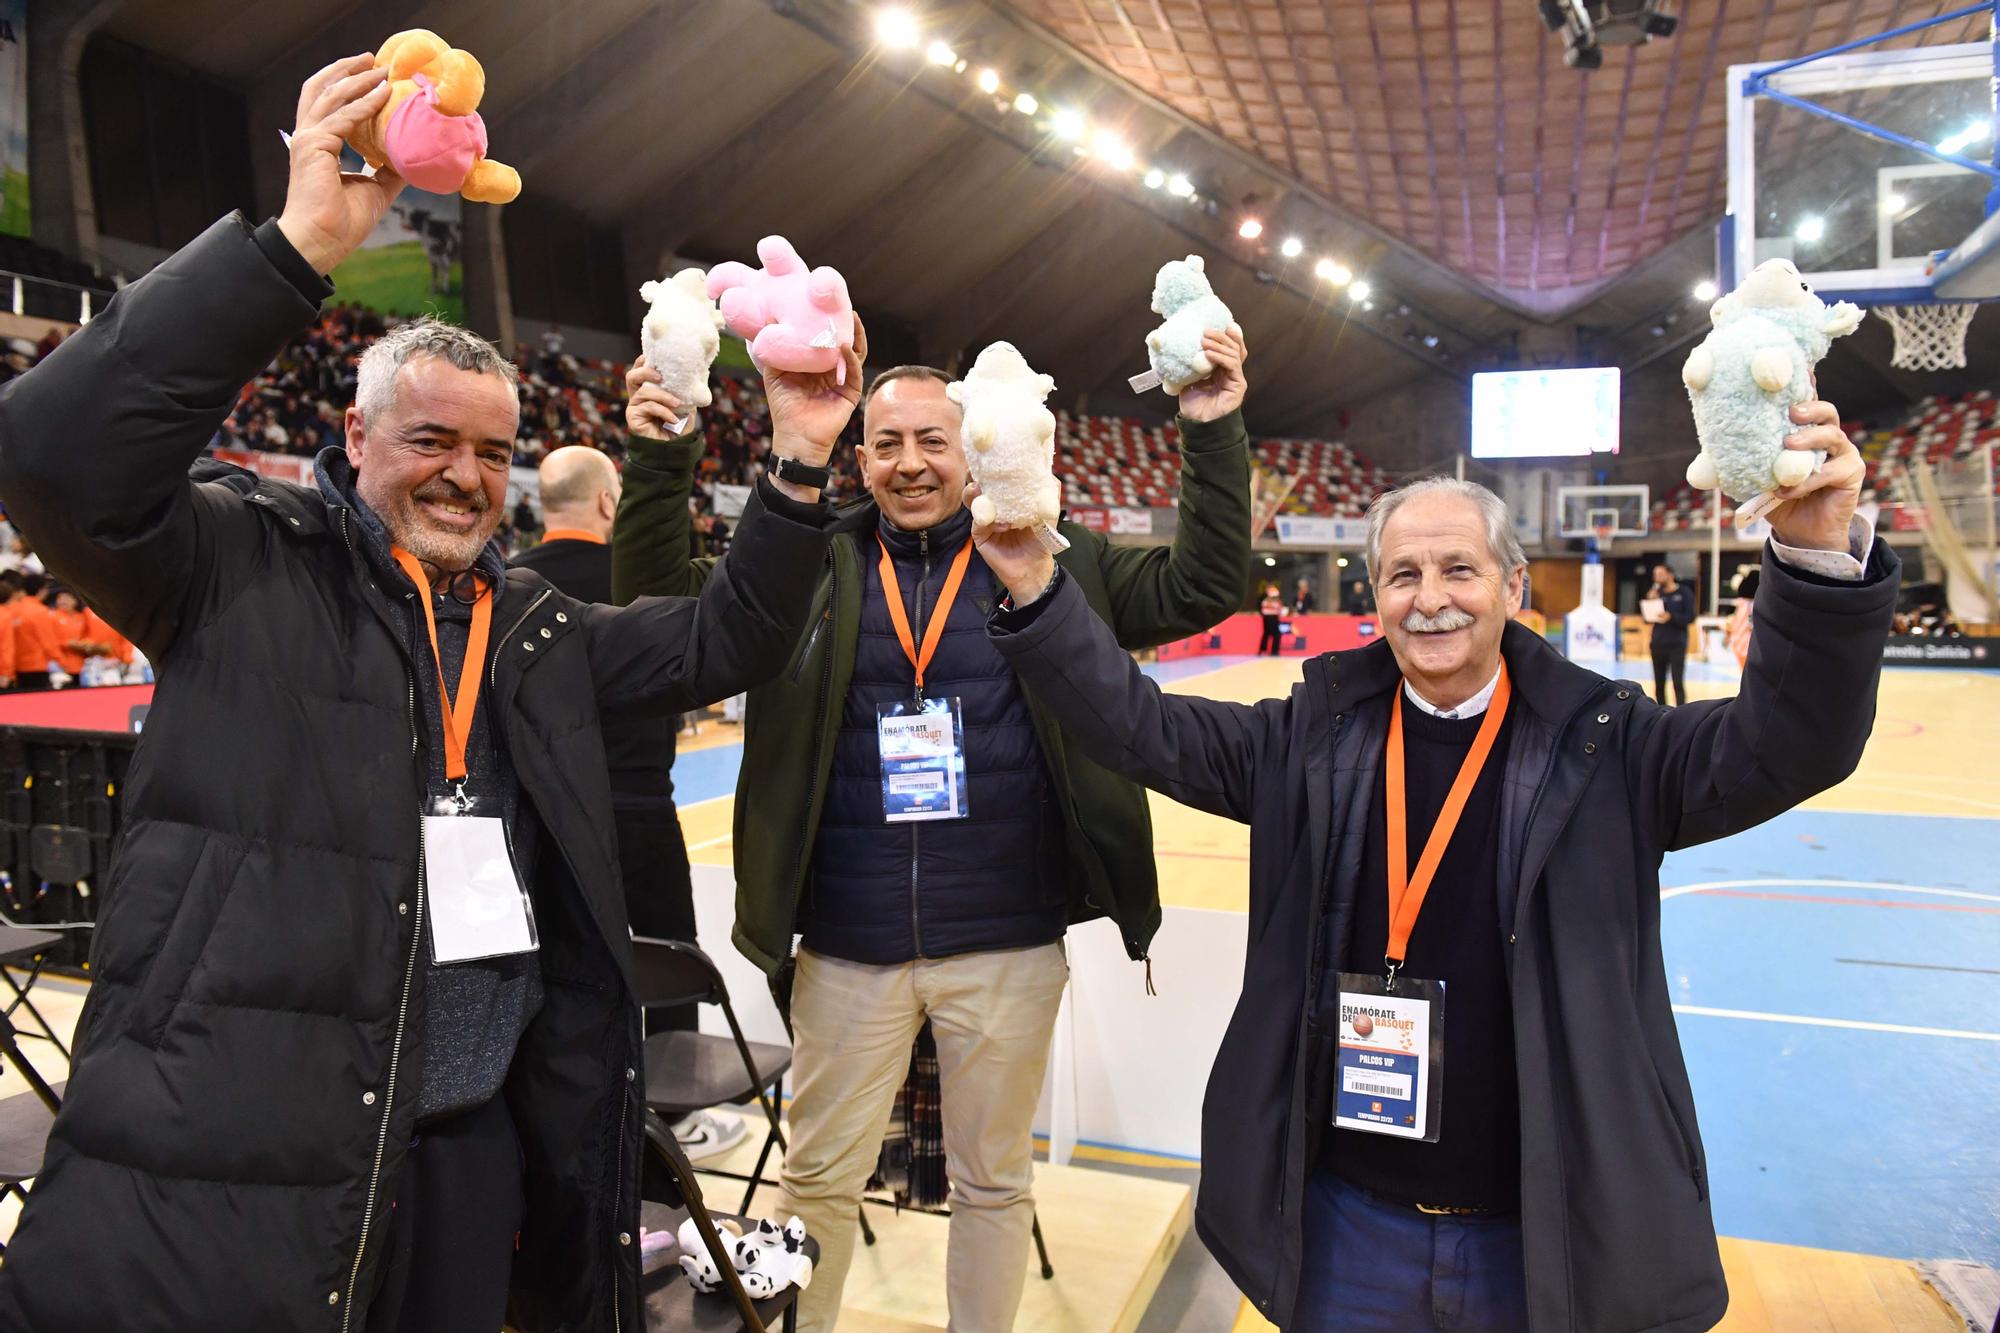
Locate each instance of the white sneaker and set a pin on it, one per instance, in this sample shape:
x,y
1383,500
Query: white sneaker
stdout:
x,y
706,1134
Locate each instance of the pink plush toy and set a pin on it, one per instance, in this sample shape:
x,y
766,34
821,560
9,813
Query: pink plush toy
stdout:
x,y
793,319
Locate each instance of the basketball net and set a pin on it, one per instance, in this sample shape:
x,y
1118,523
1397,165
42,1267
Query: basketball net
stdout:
x,y
1604,533
1929,337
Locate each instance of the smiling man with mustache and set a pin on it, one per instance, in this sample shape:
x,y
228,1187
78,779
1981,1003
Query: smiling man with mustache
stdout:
x,y
1455,843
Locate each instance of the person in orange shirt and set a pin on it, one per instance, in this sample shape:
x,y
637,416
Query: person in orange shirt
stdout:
x,y
67,615
35,642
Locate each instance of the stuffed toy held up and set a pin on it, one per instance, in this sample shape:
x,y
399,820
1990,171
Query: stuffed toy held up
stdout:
x,y
1744,378
429,131
793,319
1191,308
679,334
1009,441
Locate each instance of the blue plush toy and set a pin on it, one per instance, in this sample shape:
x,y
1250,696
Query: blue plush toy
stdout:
x,y
1746,375
1181,293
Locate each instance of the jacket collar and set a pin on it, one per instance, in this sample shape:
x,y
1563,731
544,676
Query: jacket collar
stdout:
x,y
945,538
1549,684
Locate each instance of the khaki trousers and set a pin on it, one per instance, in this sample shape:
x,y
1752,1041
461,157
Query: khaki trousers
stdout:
x,y
852,1028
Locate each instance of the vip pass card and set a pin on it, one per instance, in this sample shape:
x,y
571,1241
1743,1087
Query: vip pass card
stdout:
x,y
923,760
1391,1045
478,908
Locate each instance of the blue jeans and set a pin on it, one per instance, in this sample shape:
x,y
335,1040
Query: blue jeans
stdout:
x,y
1371,1266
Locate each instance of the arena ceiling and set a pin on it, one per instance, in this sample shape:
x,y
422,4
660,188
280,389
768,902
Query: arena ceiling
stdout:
x,y
1498,202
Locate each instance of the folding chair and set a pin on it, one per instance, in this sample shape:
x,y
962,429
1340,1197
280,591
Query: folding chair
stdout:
x,y
688,1071
29,951
25,1120
673,1306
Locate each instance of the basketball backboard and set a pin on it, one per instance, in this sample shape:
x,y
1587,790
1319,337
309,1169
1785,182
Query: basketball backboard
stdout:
x,y
1871,170
1603,511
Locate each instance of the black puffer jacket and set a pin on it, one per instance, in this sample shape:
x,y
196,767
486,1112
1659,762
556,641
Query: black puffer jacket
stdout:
x,y
239,1107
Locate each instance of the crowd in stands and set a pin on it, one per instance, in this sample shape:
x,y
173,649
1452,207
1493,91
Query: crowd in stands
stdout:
x,y
48,637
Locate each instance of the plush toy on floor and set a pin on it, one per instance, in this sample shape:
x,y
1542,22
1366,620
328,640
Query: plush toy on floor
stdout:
x,y
1744,378
429,131
1191,308
767,1260
1010,443
793,319
679,335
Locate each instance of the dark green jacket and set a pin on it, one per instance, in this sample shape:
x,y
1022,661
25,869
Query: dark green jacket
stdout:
x,y
1148,595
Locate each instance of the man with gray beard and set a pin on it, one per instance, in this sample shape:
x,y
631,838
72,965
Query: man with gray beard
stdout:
x,y
1455,844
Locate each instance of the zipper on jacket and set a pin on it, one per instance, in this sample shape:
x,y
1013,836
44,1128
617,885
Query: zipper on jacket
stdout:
x,y
396,1046
617,1208
819,739
916,830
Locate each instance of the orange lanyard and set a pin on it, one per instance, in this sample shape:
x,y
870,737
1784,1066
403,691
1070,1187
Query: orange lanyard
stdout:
x,y
892,593
1406,896
455,715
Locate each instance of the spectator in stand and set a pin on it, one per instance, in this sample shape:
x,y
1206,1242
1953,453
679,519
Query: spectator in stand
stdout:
x,y
19,357
67,615
1303,601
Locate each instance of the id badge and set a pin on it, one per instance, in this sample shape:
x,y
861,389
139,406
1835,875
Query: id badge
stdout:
x,y
1391,1056
477,906
923,760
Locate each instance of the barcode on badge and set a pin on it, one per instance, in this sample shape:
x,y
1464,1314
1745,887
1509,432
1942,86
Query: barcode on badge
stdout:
x,y
1375,1084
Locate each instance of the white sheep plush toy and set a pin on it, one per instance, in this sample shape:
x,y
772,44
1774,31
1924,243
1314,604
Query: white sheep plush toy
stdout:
x,y
1746,375
1010,443
681,334
1190,307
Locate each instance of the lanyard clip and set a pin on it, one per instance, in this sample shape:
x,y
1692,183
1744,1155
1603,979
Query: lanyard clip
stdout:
x,y
460,802
1393,965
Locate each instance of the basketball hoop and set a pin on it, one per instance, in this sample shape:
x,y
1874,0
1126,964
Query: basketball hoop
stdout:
x,y
1929,337
1604,531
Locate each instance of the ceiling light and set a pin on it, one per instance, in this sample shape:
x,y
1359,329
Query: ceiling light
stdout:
x,y
1068,124
1705,290
1359,291
1431,341
1155,179
1292,247
940,54
1026,104
1336,273
1179,186
1112,149
989,80
1251,229
1811,230
1270,559
896,29
1341,561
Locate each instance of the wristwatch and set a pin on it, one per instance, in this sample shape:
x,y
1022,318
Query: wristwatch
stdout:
x,y
800,474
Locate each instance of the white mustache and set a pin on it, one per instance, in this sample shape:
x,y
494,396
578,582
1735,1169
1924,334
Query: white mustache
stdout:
x,y
1443,622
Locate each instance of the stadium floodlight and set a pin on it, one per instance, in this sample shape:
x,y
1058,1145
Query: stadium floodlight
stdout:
x,y
897,29
1811,230
1251,229
1112,149
941,54
1068,124
1026,104
1705,290
1292,248
1360,291
1336,273
1155,179
1179,186
989,80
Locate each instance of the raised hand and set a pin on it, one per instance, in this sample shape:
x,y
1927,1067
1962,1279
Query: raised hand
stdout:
x,y
1815,514
650,411
808,412
1016,556
329,212
1222,391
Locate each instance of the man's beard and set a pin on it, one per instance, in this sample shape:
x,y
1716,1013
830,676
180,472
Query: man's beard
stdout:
x,y
1450,618
412,530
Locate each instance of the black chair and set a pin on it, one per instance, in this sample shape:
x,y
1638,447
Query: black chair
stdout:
x,y
671,1304
25,1120
687,1071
